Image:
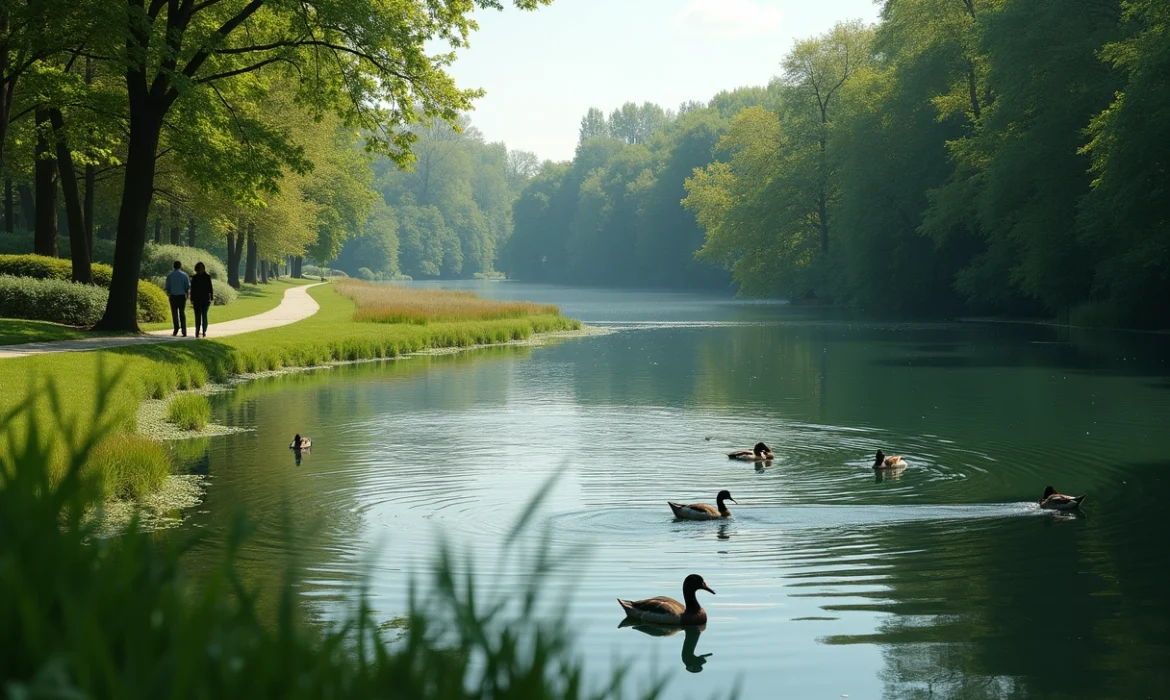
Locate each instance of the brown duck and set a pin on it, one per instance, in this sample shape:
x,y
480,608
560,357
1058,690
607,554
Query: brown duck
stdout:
x,y
703,511
668,611
1058,501
758,453
881,461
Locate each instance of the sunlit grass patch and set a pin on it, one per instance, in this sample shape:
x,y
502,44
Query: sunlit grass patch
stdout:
x,y
189,411
128,466
389,303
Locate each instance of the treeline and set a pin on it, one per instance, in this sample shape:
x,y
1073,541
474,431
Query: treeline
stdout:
x,y
231,124
961,155
448,215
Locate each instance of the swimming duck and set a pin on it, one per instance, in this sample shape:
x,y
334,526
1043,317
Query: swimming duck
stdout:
x,y
1058,501
300,443
668,611
702,511
758,453
881,461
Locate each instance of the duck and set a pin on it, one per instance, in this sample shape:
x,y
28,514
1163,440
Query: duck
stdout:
x,y
1058,501
702,511
668,611
881,461
300,443
757,454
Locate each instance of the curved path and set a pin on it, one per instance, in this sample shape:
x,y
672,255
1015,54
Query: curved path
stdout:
x,y
296,305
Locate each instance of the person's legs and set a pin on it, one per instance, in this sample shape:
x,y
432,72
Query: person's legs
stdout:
x,y
206,308
198,308
183,314
176,305
200,316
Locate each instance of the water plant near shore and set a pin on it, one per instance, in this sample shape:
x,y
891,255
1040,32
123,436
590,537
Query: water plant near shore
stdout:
x,y
189,411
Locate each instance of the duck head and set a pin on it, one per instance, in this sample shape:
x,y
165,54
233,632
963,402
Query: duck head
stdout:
x,y
725,495
695,582
880,457
1048,491
761,448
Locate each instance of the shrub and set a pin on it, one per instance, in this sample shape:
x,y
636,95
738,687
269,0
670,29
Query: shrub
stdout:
x,y
189,411
159,260
51,300
152,302
128,466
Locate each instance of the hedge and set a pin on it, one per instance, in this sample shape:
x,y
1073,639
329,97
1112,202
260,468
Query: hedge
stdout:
x,y
51,300
152,302
159,260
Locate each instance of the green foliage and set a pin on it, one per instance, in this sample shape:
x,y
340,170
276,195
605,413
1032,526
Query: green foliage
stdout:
x,y
127,466
189,411
152,302
159,261
53,300
72,599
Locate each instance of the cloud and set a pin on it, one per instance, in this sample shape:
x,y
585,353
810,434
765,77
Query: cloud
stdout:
x,y
730,18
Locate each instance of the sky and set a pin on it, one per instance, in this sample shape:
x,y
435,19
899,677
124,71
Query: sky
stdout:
x,y
542,70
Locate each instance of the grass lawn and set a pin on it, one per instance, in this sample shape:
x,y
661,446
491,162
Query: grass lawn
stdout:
x,y
254,299
155,371
14,331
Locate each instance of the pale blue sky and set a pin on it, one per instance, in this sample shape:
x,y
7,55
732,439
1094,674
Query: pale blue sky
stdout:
x,y
543,69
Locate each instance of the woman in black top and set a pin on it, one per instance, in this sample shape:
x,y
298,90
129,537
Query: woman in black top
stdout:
x,y
201,297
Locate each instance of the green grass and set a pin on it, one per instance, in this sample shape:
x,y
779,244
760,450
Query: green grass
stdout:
x,y
254,299
128,466
14,331
189,411
156,371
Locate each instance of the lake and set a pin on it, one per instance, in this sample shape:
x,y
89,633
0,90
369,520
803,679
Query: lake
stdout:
x,y
947,581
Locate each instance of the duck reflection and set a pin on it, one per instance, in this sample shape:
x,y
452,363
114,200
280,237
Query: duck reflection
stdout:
x,y
297,455
880,475
761,467
724,532
692,661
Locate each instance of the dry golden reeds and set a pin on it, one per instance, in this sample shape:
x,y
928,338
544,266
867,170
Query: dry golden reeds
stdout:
x,y
388,303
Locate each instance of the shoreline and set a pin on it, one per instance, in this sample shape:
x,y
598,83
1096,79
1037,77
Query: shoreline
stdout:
x,y
182,491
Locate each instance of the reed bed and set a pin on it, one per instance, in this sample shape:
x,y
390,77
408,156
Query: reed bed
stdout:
x,y
189,411
389,303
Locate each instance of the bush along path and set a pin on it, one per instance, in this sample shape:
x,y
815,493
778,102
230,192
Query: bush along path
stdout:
x,y
296,305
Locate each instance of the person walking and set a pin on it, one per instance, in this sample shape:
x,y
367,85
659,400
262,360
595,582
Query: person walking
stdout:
x,y
201,297
178,286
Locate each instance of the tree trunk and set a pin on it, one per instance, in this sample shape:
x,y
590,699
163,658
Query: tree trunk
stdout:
x,y
823,213
250,263
190,230
158,230
297,262
90,178
176,229
45,179
9,214
8,86
145,127
87,207
78,247
28,208
235,243
263,272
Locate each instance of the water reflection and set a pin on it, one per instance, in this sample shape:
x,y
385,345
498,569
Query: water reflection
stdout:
x,y
937,579
691,661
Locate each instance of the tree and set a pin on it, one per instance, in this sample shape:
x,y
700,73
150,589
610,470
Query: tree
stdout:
x,y
362,59
593,124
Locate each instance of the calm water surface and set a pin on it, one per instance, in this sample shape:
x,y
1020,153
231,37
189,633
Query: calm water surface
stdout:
x,y
945,582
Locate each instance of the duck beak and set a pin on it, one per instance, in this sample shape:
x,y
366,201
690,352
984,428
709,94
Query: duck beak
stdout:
x,y
734,501
707,588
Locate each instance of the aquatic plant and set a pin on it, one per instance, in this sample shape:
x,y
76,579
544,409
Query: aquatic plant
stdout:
x,y
100,618
189,411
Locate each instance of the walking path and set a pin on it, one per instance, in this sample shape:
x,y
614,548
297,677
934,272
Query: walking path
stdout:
x,y
296,305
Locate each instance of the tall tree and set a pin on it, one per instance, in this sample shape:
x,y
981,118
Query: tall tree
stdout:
x,y
364,59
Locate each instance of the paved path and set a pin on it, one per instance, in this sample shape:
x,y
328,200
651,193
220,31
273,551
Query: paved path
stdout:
x,y
297,305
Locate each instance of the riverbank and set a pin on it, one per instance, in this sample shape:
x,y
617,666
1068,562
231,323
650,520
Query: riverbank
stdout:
x,y
125,377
